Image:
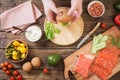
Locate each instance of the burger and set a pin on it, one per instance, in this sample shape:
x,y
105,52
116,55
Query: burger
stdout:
x,y
64,19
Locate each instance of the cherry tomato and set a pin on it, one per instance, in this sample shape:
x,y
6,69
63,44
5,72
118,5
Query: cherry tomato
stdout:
x,y
12,78
4,68
2,65
15,72
103,25
117,19
6,63
19,77
45,70
10,66
8,72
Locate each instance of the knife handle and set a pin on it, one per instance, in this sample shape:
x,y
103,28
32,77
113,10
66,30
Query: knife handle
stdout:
x,y
94,29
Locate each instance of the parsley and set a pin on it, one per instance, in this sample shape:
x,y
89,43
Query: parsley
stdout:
x,y
115,42
50,31
64,24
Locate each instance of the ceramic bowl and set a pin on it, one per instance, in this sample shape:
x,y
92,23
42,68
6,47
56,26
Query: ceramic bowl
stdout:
x,y
96,9
33,33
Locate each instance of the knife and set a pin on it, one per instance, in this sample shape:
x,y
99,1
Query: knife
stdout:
x,y
71,76
88,35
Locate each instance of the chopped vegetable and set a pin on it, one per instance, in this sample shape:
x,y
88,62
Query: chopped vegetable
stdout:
x,y
115,42
99,42
50,31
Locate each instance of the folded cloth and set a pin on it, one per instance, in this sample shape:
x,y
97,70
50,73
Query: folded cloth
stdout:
x,y
20,16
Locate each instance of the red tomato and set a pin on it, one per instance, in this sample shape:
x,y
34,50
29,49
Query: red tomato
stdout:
x,y
103,25
10,66
8,72
19,77
12,78
2,65
117,19
45,70
15,72
4,69
6,63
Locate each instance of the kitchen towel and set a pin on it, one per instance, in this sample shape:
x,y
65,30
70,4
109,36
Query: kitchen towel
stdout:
x,y
20,16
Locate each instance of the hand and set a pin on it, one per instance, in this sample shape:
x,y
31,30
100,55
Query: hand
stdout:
x,y
50,10
76,8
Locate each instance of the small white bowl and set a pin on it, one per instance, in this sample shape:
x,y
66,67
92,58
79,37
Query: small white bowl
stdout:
x,y
93,2
33,33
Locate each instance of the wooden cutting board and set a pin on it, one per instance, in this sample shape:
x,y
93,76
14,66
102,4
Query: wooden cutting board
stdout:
x,y
70,61
69,34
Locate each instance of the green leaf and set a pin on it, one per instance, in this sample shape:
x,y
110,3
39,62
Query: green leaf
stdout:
x,y
64,24
50,31
115,42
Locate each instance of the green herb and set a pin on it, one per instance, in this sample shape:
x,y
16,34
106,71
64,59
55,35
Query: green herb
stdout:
x,y
50,31
64,24
115,42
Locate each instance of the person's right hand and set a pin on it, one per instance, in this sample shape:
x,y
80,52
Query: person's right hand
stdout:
x,y
50,10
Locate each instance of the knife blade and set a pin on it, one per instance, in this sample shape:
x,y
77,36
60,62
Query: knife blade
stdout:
x,y
88,35
71,76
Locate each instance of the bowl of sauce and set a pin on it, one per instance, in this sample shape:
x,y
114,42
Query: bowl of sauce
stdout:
x,y
33,33
96,9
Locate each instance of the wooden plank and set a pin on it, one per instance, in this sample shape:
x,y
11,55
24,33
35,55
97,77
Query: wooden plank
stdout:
x,y
42,43
42,54
36,74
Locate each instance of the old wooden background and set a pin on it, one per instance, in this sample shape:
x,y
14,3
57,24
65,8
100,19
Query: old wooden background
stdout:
x,y
43,48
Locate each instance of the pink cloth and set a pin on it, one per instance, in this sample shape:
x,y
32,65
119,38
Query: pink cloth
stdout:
x,y
20,16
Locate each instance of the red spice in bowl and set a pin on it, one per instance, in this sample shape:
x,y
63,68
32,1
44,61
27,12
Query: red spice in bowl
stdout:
x,y
96,8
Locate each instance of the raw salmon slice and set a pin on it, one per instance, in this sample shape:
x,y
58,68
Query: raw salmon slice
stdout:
x,y
105,62
83,63
107,59
100,72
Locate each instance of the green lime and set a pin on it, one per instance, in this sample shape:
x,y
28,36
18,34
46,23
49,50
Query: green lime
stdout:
x,y
117,6
53,59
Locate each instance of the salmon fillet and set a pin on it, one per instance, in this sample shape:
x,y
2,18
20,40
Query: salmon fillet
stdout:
x,y
83,63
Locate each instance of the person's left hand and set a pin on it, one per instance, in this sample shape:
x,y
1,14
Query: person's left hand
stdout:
x,y
76,8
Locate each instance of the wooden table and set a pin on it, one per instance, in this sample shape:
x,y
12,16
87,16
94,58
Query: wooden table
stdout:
x,y
43,48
